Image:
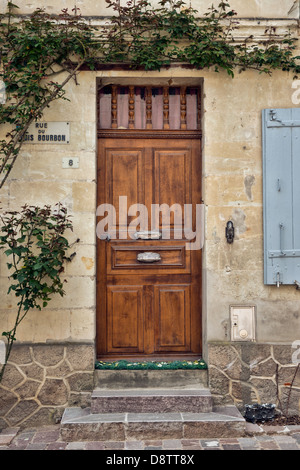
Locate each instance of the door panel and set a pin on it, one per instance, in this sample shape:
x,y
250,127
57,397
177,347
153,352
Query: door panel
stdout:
x,y
124,258
172,183
125,307
172,318
149,306
125,174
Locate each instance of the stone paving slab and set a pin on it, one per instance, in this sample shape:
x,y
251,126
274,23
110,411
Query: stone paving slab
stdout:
x,y
48,438
151,400
7,435
83,425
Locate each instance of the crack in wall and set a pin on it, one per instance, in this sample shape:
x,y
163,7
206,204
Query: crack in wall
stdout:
x,y
295,6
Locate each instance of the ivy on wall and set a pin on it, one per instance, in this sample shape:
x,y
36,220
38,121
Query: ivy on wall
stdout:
x,y
34,52
36,248
155,37
41,53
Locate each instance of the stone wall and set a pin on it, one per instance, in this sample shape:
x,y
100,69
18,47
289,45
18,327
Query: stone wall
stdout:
x,y
41,380
245,373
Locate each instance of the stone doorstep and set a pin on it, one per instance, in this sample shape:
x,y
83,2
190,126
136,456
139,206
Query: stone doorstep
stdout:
x,y
151,400
139,405
165,379
82,425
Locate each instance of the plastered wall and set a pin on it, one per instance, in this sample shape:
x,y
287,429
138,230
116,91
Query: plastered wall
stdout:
x,y
249,9
38,179
232,190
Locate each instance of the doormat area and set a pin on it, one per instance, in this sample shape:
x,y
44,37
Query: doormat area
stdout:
x,y
151,365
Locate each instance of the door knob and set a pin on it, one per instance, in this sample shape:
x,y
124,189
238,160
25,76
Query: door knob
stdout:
x,y
105,236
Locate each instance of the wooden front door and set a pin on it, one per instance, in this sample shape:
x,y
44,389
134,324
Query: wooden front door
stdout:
x,y
148,280
145,307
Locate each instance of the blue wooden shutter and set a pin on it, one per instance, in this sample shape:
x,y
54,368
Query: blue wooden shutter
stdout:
x,y
281,185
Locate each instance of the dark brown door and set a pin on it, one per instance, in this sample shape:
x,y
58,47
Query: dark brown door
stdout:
x,y
149,282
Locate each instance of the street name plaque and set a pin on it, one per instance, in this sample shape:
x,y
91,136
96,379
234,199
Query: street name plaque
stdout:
x,y
48,133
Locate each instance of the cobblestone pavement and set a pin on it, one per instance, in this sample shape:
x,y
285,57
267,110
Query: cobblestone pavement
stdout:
x,y
48,438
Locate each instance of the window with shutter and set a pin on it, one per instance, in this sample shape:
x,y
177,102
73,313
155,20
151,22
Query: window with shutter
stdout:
x,y
281,171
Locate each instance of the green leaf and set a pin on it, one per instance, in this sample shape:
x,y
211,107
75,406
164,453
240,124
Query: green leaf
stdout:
x,y
8,252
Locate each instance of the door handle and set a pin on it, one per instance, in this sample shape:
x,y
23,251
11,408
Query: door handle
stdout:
x,y
105,236
148,257
281,227
145,235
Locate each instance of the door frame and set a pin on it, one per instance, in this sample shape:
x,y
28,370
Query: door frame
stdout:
x,y
100,263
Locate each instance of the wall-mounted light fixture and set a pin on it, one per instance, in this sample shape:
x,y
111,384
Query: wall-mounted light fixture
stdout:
x,y
229,232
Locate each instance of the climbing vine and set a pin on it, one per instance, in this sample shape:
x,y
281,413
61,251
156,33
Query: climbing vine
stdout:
x,y
156,37
34,51
36,248
41,53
